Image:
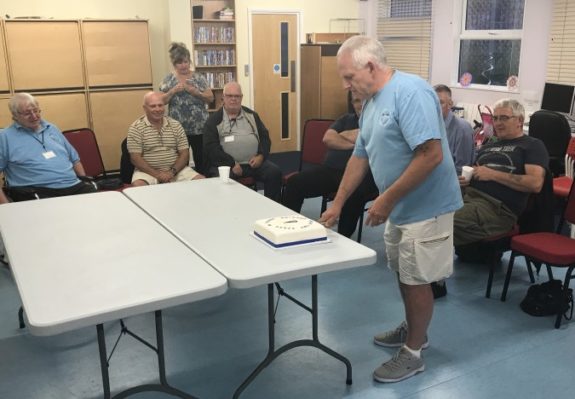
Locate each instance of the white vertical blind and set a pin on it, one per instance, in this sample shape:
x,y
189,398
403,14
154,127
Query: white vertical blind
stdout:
x,y
561,51
404,29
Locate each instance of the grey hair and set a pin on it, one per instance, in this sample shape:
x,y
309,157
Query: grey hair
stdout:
x,y
178,53
516,107
19,99
364,49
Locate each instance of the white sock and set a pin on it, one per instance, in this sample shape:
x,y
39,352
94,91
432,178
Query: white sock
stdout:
x,y
416,353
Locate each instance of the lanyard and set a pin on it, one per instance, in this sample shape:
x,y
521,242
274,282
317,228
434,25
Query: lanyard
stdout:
x,y
40,141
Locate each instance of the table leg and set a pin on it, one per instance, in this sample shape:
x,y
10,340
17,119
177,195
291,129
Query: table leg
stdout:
x,y
163,386
273,353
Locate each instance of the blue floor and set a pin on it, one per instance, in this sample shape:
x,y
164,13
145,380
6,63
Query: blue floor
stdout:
x,y
480,348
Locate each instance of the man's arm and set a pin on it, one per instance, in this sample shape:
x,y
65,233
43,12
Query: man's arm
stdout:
x,y
340,141
354,173
3,198
464,151
79,169
530,182
426,157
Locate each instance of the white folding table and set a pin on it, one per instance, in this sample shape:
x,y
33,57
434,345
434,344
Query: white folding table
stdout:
x,y
88,259
216,220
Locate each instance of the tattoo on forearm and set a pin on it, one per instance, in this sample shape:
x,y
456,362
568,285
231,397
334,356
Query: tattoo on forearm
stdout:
x,y
424,147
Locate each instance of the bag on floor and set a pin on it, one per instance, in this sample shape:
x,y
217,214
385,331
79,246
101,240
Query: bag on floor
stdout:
x,y
548,299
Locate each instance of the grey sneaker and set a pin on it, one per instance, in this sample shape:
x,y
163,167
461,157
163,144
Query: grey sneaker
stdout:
x,y
401,366
396,338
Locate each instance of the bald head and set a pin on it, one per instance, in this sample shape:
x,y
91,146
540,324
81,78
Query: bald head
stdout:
x,y
154,107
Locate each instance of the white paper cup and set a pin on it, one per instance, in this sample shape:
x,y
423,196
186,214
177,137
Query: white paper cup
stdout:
x,y
467,172
224,172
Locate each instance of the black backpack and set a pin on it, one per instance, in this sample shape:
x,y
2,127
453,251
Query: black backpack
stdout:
x,y
548,299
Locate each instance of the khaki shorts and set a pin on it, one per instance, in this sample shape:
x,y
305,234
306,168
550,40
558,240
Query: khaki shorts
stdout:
x,y
185,174
421,252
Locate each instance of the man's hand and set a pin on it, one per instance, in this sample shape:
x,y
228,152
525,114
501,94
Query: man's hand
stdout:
x,y
379,211
330,216
165,176
463,182
237,170
483,173
198,177
256,161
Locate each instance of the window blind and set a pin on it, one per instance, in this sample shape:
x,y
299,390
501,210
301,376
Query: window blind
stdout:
x,y
561,50
404,29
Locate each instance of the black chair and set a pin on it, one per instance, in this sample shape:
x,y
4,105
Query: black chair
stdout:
x,y
126,167
553,129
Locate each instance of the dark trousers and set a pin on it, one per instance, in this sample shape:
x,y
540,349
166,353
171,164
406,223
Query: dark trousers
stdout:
x,y
196,141
268,173
17,194
322,180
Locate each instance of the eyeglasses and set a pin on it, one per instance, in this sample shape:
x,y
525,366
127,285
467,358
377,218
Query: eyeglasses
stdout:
x,y
233,96
502,118
31,112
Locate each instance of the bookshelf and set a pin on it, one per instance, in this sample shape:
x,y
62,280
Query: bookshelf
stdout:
x,y
214,44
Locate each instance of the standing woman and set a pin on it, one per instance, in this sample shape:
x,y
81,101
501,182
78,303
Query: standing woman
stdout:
x,y
187,93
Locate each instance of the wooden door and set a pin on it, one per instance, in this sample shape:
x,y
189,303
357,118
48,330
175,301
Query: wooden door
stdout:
x,y
274,44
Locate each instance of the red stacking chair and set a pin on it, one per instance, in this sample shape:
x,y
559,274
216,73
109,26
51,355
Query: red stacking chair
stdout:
x,y
84,141
313,149
562,184
551,249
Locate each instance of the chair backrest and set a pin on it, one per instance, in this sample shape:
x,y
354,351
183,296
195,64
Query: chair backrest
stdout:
x,y
126,166
313,149
84,141
570,158
553,129
569,213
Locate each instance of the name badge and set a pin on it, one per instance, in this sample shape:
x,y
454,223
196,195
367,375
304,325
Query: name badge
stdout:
x,y
49,154
228,139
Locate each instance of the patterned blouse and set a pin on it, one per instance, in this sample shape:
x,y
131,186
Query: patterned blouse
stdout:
x,y
189,110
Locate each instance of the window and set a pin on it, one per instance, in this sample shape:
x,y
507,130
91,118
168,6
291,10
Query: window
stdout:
x,y
490,42
404,29
561,51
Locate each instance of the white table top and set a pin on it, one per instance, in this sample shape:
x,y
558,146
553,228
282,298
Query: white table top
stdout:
x,y
83,260
216,220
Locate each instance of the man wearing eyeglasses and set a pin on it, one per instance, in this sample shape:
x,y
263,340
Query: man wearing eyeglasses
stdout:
x,y
235,136
36,159
506,172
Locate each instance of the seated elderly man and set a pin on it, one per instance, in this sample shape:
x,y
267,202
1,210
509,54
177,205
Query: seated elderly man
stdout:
x,y
325,179
507,171
459,131
36,159
158,146
235,136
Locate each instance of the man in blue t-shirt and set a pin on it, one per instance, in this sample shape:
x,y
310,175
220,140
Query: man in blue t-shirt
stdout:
x,y
402,139
36,159
324,179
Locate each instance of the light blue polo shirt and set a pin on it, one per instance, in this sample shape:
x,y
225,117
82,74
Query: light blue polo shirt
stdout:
x,y
26,157
400,117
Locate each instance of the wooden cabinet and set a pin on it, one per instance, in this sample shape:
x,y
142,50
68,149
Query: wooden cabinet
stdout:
x,y
84,73
214,44
117,53
322,93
